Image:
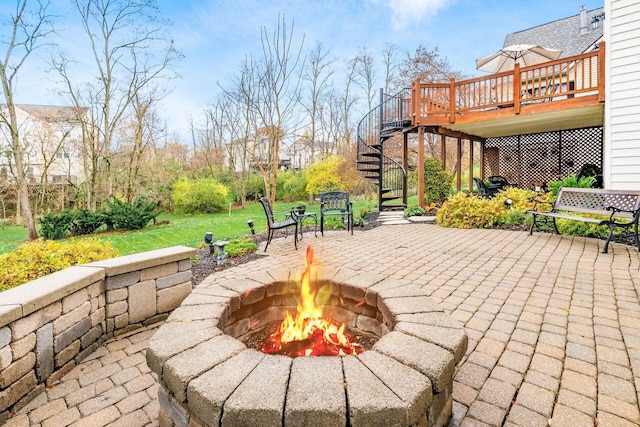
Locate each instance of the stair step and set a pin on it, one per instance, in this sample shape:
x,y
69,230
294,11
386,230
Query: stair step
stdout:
x,y
368,162
396,206
375,154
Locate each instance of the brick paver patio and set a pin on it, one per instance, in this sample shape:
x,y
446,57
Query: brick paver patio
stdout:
x,y
552,325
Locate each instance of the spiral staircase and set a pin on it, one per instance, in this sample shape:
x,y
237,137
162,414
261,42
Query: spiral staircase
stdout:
x,y
386,121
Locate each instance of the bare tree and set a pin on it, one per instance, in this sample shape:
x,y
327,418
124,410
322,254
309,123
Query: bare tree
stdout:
x,y
348,101
426,65
140,131
271,88
365,69
317,74
29,30
391,67
209,141
130,52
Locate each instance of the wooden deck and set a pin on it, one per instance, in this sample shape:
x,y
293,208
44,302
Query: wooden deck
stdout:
x,y
563,94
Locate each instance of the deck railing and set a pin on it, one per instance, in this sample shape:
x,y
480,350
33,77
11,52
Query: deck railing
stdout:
x,y
566,78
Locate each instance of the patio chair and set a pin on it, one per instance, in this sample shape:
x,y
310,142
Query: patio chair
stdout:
x,y
499,180
589,169
289,221
336,203
485,190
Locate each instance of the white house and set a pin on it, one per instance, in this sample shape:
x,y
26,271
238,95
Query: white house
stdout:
x,y
51,137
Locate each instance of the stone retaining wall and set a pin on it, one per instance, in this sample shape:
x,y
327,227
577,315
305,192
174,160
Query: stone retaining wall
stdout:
x,y
49,325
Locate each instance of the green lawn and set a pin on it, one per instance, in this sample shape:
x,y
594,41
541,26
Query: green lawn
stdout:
x,y
181,229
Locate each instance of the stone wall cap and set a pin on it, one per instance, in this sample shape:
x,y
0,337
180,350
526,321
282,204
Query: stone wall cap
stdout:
x,y
142,260
9,313
39,293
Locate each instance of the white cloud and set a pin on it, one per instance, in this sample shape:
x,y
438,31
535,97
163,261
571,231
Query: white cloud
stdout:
x,y
405,12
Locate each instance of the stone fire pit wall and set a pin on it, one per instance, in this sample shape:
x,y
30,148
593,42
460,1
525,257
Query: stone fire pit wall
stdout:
x,y
209,377
49,325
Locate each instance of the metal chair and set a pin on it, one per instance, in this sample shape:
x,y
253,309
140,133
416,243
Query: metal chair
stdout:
x,y
499,180
272,225
336,203
484,190
589,169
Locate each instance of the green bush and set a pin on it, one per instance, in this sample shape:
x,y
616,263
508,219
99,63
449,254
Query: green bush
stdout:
x,y
294,185
413,211
255,186
86,221
571,181
363,215
54,226
437,182
200,196
237,247
121,215
41,257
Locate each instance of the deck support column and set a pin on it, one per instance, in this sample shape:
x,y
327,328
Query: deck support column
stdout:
x,y
421,166
459,166
470,180
443,151
482,160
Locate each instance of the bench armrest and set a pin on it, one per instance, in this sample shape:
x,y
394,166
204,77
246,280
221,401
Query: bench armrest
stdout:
x,y
614,210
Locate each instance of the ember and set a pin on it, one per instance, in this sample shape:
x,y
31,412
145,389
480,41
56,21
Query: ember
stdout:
x,y
307,332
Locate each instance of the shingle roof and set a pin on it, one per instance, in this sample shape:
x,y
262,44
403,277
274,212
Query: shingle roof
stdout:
x,y
563,34
53,112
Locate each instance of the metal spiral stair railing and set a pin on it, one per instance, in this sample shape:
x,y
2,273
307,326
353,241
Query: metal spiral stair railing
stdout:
x,y
380,124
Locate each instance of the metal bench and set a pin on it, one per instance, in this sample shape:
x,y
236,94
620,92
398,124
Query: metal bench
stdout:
x,y
336,203
272,225
622,208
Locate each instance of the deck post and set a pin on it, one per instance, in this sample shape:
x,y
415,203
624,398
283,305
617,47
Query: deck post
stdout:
x,y
415,102
421,166
443,150
482,160
459,166
517,88
452,101
470,180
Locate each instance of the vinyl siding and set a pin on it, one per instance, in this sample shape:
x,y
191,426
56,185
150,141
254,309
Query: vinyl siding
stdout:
x,y
622,109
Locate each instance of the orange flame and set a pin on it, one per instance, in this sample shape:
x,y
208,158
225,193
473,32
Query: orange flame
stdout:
x,y
307,332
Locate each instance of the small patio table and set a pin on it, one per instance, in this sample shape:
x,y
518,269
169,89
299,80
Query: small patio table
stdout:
x,y
301,217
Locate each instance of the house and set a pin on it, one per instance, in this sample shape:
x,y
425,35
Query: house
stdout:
x,y
531,124
622,92
51,137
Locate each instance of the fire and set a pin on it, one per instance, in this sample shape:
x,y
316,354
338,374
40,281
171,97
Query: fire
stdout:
x,y
307,332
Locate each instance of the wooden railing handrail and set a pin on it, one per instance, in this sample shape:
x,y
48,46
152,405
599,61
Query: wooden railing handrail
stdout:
x,y
553,80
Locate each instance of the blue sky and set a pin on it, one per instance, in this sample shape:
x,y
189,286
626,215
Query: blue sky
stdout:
x,y
215,36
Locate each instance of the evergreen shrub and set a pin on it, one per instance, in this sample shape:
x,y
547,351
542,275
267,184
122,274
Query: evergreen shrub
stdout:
x,y
437,182
121,215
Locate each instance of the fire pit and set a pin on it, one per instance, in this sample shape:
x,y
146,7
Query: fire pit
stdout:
x,y
208,376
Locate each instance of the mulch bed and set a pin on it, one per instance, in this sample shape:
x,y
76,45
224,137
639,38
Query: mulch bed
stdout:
x,y
207,264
